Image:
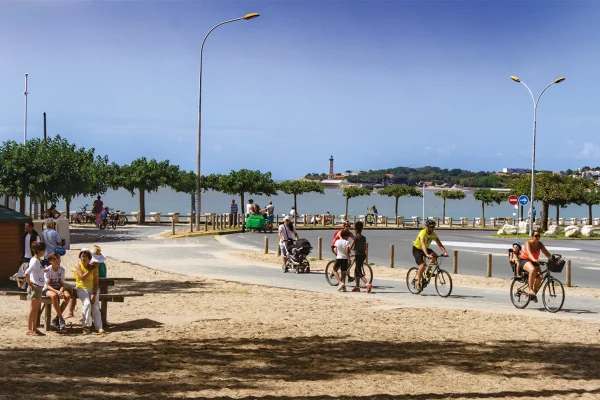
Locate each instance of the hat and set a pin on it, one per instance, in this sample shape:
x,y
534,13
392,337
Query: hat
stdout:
x,y
97,255
287,218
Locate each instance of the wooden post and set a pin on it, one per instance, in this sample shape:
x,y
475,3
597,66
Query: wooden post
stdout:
x,y
333,220
320,248
191,223
277,220
205,224
172,226
455,262
305,218
278,250
568,273
489,266
266,245
397,222
391,256
450,222
385,220
367,252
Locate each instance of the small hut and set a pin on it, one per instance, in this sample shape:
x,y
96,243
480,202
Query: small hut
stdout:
x,y
12,226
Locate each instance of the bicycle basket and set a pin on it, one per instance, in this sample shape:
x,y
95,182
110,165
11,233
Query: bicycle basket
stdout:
x,y
556,263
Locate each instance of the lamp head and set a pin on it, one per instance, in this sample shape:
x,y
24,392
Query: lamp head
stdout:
x,y
251,16
514,78
559,80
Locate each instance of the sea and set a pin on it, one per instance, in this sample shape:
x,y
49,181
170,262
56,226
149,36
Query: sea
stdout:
x,y
166,200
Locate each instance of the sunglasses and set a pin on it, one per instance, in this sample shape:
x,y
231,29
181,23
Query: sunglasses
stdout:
x,y
536,236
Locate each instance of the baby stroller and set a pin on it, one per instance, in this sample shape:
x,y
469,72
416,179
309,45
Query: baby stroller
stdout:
x,y
297,253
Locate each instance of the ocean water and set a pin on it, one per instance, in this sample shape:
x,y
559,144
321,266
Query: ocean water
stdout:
x,y
166,200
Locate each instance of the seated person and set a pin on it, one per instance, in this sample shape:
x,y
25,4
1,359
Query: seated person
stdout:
x,y
52,213
327,217
513,257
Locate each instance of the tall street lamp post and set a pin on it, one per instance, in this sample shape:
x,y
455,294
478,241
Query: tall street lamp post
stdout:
x,y
535,105
198,203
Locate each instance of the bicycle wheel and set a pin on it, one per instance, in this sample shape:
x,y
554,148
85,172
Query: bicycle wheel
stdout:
x,y
411,280
518,293
370,218
113,224
102,225
553,295
331,279
122,220
443,283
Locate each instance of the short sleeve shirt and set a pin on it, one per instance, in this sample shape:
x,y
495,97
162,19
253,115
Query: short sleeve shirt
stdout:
x,y
360,244
51,238
426,236
55,278
286,233
35,272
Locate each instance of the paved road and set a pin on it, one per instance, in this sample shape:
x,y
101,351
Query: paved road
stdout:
x,y
473,248
208,257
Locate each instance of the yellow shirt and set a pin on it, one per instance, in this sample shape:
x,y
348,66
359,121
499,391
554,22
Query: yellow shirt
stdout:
x,y
86,283
426,236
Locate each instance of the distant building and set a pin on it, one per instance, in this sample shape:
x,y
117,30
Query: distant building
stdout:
x,y
519,171
331,174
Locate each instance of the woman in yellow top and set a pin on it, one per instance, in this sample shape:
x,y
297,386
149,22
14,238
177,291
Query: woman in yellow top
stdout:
x,y
86,283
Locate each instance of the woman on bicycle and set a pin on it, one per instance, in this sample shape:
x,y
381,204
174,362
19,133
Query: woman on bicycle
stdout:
x,y
529,261
421,248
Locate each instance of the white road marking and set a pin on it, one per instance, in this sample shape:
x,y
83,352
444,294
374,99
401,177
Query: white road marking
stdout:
x,y
500,246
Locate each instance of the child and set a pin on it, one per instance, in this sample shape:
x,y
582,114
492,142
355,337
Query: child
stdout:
x,y
514,257
341,258
55,290
97,253
34,276
359,245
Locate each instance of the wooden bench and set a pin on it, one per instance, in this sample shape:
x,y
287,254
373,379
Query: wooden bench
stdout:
x,y
105,298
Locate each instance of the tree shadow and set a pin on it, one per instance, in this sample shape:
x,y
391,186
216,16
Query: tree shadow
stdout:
x,y
161,287
168,368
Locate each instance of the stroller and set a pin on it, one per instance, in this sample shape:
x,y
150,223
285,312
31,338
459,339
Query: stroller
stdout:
x,y
297,253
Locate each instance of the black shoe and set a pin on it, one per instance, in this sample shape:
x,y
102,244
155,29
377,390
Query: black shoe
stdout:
x,y
61,324
55,323
350,279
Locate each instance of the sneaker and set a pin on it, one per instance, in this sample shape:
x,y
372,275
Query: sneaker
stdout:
x,y
369,287
356,289
342,288
30,333
55,323
533,297
100,331
418,287
86,331
61,324
37,332
350,279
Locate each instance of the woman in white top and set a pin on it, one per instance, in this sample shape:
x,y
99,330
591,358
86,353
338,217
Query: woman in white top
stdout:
x,y
34,276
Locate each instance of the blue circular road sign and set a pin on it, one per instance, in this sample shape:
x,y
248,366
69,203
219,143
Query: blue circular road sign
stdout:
x,y
523,199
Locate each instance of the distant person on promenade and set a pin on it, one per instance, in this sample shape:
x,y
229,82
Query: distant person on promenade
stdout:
x,y
233,213
270,211
97,208
249,207
327,217
52,213
375,214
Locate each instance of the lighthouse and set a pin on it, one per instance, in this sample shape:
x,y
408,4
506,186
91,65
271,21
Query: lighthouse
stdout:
x,y
331,174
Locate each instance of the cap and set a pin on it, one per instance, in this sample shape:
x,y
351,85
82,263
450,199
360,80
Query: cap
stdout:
x,y
287,217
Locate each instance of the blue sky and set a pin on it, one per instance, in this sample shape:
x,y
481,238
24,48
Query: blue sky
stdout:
x,y
377,84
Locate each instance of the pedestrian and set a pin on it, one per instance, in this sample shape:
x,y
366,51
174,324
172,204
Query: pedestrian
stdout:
x,y
341,258
98,206
359,245
34,275
52,240
233,213
29,238
287,232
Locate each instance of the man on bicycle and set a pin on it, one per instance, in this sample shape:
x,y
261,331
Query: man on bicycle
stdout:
x,y
338,235
421,248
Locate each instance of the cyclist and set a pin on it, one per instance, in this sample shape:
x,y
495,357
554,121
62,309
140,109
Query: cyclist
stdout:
x,y
338,235
529,261
421,248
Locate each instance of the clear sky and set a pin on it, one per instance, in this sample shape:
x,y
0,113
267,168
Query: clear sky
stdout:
x,y
375,83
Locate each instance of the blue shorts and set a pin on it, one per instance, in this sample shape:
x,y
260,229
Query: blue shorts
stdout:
x,y
271,218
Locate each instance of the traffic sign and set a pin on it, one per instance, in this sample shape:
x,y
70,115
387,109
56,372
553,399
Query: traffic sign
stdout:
x,y
523,199
513,200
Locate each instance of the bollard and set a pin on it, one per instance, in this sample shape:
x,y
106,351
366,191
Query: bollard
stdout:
x,y
455,262
385,220
205,224
391,256
367,253
191,223
278,250
568,273
266,245
489,266
320,248
173,226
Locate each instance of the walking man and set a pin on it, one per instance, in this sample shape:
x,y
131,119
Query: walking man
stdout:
x,y
233,214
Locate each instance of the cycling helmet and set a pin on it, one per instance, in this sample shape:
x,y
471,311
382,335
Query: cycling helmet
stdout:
x,y
518,244
430,223
60,251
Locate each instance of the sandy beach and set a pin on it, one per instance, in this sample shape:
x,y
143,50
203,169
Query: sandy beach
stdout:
x,y
196,338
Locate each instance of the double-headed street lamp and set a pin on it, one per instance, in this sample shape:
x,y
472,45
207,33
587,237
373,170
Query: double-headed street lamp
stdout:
x,y
535,104
198,204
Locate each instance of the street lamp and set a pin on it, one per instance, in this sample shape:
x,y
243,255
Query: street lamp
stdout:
x,y
198,204
535,104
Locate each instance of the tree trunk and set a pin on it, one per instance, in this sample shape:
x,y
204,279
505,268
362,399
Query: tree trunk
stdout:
x,y
142,207
557,214
590,214
346,216
444,212
22,204
482,214
396,209
545,207
68,210
242,207
295,206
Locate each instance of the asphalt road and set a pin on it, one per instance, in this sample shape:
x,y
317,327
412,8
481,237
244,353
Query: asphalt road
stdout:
x,y
208,257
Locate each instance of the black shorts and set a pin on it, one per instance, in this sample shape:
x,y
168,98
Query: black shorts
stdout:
x,y
419,255
359,260
341,263
523,262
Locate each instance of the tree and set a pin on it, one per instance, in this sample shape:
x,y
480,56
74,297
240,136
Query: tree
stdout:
x,y
400,191
354,191
185,182
146,176
590,196
450,195
488,197
300,187
242,182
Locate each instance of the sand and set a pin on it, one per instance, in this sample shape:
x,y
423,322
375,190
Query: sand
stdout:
x,y
197,338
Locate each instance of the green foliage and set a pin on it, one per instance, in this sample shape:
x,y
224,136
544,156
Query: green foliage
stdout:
x,y
354,191
488,197
242,182
400,191
449,195
300,187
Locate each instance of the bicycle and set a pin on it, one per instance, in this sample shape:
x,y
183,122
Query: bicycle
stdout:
x,y
443,280
370,218
122,218
111,220
553,292
82,216
367,272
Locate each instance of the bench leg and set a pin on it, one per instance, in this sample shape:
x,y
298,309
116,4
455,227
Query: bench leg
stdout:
x,y
48,317
104,312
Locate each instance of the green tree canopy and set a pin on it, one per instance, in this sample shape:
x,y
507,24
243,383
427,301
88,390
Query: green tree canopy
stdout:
x,y
354,191
400,191
242,182
488,197
300,187
449,195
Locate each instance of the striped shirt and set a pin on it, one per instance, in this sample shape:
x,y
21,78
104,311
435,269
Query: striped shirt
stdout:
x,y
234,209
